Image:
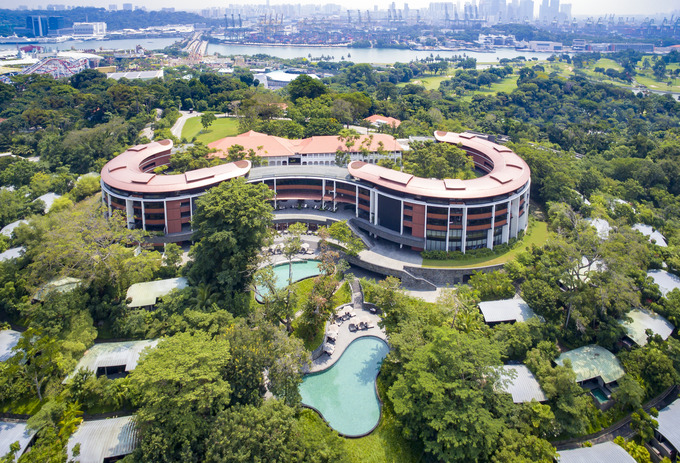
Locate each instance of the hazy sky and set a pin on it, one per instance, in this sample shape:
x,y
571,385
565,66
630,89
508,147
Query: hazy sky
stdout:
x,y
579,7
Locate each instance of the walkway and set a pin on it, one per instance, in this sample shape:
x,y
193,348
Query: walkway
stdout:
x,y
176,129
345,336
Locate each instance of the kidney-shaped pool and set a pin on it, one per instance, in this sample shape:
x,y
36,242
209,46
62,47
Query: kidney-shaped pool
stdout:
x,y
345,393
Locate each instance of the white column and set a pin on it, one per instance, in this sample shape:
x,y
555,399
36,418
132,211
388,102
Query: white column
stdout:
x,y
130,212
448,227
356,201
401,220
425,229
489,238
108,197
143,215
275,194
463,237
323,192
376,206
165,209
514,220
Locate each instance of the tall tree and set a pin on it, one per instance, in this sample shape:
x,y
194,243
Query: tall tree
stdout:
x,y
231,224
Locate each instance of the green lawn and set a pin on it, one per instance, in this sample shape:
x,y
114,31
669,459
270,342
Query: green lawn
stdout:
x,y
430,83
384,445
506,85
303,289
22,407
222,127
537,234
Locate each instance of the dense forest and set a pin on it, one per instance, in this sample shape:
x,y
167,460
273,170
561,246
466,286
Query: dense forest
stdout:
x,y
595,151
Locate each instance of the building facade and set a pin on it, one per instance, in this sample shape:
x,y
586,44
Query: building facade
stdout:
x,y
410,211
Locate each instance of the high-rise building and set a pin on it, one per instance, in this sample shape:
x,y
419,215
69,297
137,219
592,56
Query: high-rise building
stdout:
x,y
113,7
127,6
55,24
565,11
37,25
526,10
97,29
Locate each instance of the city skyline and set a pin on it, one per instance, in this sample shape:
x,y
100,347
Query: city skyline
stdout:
x,y
579,7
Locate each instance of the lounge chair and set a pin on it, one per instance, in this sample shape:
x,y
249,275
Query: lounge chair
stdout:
x,y
352,327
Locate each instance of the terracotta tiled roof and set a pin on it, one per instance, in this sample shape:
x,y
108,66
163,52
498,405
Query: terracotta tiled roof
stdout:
x,y
378,119
269,145
509,173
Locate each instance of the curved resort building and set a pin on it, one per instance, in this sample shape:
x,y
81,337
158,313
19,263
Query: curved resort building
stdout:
x,y
419,213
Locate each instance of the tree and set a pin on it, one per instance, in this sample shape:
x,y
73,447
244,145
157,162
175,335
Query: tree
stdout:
x,y
207,119
446,397
231,224
180,387
438,160
492,285
305,86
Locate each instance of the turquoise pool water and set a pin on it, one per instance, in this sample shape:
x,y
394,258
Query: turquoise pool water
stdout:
x,y
599,395
345,393
301,270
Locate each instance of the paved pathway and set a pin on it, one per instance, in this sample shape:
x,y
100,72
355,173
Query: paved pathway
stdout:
x,y
176,129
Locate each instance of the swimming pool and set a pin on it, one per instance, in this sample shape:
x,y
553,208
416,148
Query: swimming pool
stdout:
x,y
345,393
301,270
599,395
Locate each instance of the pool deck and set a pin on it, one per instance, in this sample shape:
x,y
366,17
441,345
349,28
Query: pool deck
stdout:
x,y
345,338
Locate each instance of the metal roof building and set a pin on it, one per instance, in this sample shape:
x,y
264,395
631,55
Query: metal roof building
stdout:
x,y
8,339
9,228
62,285
667,281
524,386
103,439
144,75
602,226
506,310
12,253
642,320
607,452
11,432
146,294
669,423
651,233
591,362
113,356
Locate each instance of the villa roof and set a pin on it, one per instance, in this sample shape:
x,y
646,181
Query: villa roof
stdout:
x,y
641,320
145,294
506,310
9,228
606,452
523,387
103,439
8,339
12,253
378,119
651,233
125,172
270,146
61,285
113,354
669,423
11,432
509,173
591,362
667,281
48,199
602,226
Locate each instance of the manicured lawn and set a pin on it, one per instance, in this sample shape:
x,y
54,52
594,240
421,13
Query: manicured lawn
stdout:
x,y
222,127
506,85
538,234
384,445
430,83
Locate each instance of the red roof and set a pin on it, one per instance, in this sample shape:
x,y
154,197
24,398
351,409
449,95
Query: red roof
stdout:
x,y
124,172
269,145
378,119
509,173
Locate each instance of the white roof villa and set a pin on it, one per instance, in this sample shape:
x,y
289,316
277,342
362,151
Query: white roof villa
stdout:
x,y
113,357
669,424
591,362
14,431
667,281
654,235
9,228
104,440
524,386
48,199
602,226
642,320
61,285
12,253
8,339
506,310
146,294
606,452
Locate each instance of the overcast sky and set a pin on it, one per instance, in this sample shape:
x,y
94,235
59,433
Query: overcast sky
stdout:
x,y
579,7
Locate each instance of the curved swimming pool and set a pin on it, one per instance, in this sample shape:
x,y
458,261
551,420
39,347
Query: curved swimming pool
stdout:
x,y
301,270
345,394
